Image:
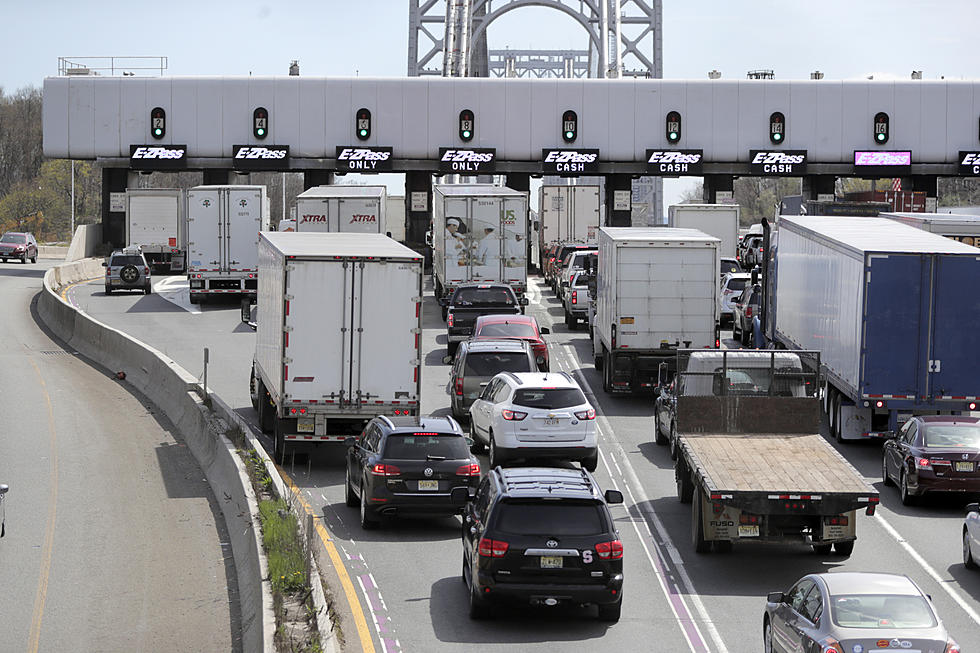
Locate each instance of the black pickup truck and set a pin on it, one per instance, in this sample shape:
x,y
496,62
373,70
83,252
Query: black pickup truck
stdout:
x,y
471,300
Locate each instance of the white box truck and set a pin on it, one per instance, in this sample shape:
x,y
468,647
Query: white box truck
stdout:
x,y
656,292
155,224
339,325
718,220
395,225
223,225
479,233
348,209
566,214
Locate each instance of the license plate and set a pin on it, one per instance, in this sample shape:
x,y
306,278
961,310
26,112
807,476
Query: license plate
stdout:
x,y
964,467
551,421
551,562
751,530
428,485
305,426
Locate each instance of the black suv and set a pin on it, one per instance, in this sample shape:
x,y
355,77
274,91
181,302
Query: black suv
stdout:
x,y
544,536
408,465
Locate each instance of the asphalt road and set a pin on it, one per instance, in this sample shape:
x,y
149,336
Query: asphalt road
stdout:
x,y
675,600
114,540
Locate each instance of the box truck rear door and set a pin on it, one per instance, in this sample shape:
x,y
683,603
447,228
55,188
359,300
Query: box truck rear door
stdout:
x,y
513,224
242,233
895,301
203,230
358,215
955,336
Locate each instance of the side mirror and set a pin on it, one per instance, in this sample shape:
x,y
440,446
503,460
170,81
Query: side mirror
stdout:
x,y
613,497
970,507
350,442
4,488
469,441
447,360
459,496
775,597
104,264
443,301
523,301
545,331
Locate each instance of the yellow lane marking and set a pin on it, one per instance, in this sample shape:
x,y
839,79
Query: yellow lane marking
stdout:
x,y
69,287
367,641
42,588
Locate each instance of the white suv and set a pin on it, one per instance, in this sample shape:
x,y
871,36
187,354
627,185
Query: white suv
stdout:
x,y
732,285
535,415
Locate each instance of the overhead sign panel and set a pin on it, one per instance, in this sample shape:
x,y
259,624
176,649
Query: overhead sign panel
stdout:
x,y
675,162
157,157
882,162
363,159
472,160
970,163
563,161
778,163
260,157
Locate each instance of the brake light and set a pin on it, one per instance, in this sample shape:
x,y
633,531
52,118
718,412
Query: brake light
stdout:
x,y
952,647
840,520
586,414
385,470
972,405
575,297
146,270
748,311
551,260
830,645
923,463
449,320
469,470
512,415
459,387
492,548
760,249
609,550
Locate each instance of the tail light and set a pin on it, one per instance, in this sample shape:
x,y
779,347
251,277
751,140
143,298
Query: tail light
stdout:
x,y
586,414
449,320
385,470
146,270
575,297
839,520
609,550
830,645
459,387
952,647
923,463
748,311
492,548
972,405
469,470
760,250
746,518
512,415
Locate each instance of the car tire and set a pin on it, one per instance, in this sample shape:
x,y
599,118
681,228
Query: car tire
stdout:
x,y
767,636
735,334
968,561
349,497
844,549
568,321
682,480
4,260
821,549
701,545
148,289
477,446
658,437
885,478
367,523
452,347
746,336
34,258
908,499
23,259
672,441
591,463
108,290
609,612
494,456
479,609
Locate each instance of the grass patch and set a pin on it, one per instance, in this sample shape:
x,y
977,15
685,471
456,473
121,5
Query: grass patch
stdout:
x,y
280,536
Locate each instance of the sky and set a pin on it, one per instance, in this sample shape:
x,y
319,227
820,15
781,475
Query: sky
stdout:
x,y
844,39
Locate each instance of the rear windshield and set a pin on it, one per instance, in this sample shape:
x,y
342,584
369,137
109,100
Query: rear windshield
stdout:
x,y
581,281
508,330
551,518
729,266
13,238
756,381
418,447
125,260
492,363
478,296
965,436
737,284
549,398
881,611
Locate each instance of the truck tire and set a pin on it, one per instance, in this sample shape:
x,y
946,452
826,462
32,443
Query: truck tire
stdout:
x,y
195,297
682,479
452,347
723,546
701,545
279,441
606,371
844,548
597,360
821,549
265,410
836,424
658,437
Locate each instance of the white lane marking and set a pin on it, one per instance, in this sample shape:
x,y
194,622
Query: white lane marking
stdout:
x,y
943,583
533,295
176,291
567,352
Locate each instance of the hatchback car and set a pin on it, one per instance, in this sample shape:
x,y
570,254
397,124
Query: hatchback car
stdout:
x,y
535,415
732,286
521,327
542,536
933,453
853,611
744,310
408,466
478,361
127,269
971,536
19,245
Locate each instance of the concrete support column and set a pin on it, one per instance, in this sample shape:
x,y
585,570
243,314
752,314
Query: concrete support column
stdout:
x,y
815,185
313,178
616,185
113,222
715,183
418,222
216,177
929,184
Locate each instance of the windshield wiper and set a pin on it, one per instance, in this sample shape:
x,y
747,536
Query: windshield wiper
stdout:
x,y
434,457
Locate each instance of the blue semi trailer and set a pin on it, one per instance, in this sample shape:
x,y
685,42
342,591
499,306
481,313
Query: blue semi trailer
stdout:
x,y
894,311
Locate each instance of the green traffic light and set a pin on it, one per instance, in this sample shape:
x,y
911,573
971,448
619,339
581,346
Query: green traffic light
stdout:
x,y
569,134
157,131
777,136
260,131
881,137
672,136
466,134
363,132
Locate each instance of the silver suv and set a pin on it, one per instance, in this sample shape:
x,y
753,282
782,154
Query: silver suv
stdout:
x,y
127,269
478,361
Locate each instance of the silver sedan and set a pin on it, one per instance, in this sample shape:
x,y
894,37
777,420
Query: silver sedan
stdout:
x,y
971,536
853,611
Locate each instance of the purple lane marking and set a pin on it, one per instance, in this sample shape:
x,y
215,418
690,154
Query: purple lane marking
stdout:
x,y
390,644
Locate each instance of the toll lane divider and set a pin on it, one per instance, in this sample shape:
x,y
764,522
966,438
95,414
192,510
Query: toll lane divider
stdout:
x,y
176,392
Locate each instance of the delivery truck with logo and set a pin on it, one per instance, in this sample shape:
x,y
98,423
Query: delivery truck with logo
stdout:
x,y
338,330
348,209
155,224
223,225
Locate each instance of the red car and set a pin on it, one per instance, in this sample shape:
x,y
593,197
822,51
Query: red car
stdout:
x,y
934,453
522,327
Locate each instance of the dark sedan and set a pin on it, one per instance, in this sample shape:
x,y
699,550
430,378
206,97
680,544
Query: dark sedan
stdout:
x,y
935,453
853,611
408,466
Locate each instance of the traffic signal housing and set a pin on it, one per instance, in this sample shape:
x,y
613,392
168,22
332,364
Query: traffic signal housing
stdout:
x,y
569,126
158,123
777,128
673,127
881,128
467,125
363,128
260,123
